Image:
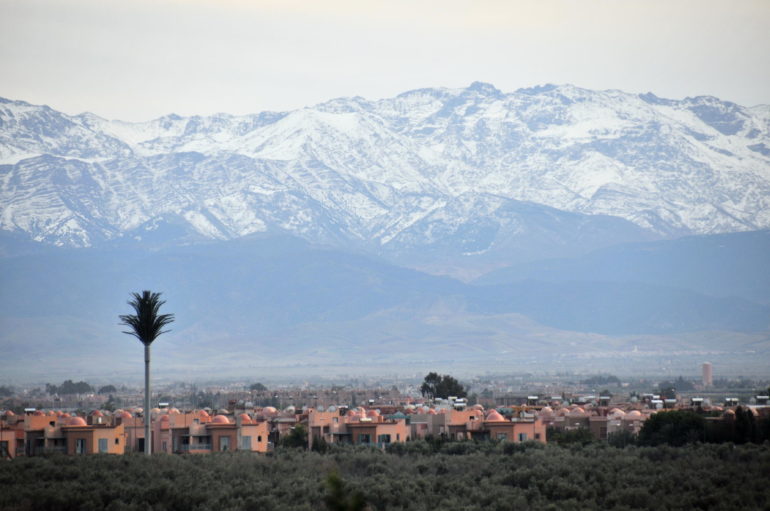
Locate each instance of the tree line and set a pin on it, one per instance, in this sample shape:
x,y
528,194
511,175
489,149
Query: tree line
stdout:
x,y
418,475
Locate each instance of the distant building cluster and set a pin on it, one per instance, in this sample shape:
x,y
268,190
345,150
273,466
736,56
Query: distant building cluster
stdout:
x,y
258,429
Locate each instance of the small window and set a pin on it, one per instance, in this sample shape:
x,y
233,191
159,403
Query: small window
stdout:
x,y
522,437
246,443
102,445
502,436
117,441
259,438
537,436
398,437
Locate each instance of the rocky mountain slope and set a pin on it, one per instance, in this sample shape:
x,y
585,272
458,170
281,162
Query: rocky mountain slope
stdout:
x,y
457,173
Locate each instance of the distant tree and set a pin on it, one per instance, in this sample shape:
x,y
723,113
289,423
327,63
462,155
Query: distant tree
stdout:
x,y
621,438
69,387
560,436
146,324
339,497
745,426
601,380
297,437
257,387
107,389
675,427
441,386
111,404
6,391
667,390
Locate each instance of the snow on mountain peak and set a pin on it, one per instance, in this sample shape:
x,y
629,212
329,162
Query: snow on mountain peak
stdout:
x,y
355,169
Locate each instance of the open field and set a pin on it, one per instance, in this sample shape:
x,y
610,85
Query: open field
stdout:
x,y
418,475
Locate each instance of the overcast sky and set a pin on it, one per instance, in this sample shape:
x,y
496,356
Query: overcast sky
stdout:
x,y
139,59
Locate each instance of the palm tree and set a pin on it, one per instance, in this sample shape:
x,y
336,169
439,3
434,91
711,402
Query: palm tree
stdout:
x,y
146,325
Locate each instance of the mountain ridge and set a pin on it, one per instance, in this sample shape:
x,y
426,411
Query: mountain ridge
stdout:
x,y
354,171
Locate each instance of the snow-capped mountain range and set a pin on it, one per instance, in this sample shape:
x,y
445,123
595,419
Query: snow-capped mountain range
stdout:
x,y
474,165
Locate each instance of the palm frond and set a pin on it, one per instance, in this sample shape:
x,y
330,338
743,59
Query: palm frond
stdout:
x,y
146,324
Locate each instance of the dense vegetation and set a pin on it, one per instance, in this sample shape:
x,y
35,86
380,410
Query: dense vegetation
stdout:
x,y
419,475
68,387
442,386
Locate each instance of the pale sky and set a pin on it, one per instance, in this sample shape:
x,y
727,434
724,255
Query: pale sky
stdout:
x,y
140,59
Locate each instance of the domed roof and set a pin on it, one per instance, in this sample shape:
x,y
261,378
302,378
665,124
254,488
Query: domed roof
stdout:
x,y
633,415
123,415
51,413
97,413
203,414
65,415
352,413
494,416
220,419
174,411
270,410
577,412
245,419
138,409
38,413
431,411
164,418
77,421
372,413
729,413
155,410
9,413
290,409
546,410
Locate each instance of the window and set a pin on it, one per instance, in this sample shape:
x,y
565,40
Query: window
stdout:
x,y
3,448
117,441
80,446
522,437
383,439
246,443
335,420
364,438
502,436
224,443
398,437
164,447
537,436
102,445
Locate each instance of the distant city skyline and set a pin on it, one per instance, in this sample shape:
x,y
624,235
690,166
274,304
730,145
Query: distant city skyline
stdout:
x,y
139,60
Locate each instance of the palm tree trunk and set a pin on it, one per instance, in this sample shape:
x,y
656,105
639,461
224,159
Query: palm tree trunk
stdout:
x,y
147,412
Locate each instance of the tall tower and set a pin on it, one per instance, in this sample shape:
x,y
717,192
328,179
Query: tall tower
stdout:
x,y
708,374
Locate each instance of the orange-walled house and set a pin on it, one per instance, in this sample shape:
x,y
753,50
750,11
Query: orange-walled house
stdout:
x,y
378,433
356,427
197,433
100,438
498,427
11,436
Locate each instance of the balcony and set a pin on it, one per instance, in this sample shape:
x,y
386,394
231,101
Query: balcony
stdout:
x,y
195,447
